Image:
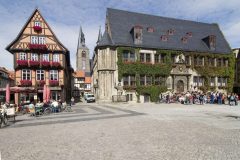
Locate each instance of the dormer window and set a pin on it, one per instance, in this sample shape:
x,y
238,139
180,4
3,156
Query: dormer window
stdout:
x,y
150,29
184,39
210,42
164,38
189,34
137,34
171,31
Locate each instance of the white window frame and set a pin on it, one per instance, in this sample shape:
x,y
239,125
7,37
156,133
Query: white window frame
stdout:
x,y
22,56
53,73
37,23
41,40
56,58
26,76
34,40
40,75
34,57
45,57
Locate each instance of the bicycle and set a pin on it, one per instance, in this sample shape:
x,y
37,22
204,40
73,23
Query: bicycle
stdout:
x,y
3,119
66,107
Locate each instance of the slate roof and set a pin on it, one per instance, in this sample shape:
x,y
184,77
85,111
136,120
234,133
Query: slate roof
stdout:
x,y
121,22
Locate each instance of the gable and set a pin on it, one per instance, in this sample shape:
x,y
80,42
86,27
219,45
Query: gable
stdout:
x,y
23,39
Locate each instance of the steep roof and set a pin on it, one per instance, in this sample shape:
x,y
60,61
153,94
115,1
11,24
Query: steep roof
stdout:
x,y
122,22
25,25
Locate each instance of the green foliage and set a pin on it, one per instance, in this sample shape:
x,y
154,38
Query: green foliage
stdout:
x,y
209,71
137,68
153,91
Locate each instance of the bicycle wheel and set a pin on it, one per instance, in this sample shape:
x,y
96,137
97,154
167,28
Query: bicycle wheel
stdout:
x,y
0,121
5,120
47,111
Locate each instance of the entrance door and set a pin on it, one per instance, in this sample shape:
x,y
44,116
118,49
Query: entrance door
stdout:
x,y
180,86
146,98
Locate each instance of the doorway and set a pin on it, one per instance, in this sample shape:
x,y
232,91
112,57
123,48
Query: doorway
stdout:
x,y
180,86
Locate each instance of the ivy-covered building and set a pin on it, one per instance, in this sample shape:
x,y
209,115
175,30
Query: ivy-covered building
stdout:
x,y
142,55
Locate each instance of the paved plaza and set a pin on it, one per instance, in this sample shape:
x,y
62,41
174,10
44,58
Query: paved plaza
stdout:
x,y
126,132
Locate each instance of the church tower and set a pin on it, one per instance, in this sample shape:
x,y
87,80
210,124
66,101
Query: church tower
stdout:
x,y
82,58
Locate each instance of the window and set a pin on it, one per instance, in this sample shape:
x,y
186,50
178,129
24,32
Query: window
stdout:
x,y
55,57
219,62
163,58
164,38
34,57
225,62
148,80
22,56
34,39
212,81
42,40
40,75
198,81
148,58
37,23
141,57
129,97
83,65
83,54
173,58
45,57
128,56
159,80
222,81
200,61
125,80
132,80
142,80
53,74
211,61
156,58
187,60
129,78
26,74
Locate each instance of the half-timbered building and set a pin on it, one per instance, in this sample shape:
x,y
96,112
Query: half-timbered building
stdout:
x,y
40,58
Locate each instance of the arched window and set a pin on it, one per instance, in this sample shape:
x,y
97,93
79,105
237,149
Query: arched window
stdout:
x,y
83,54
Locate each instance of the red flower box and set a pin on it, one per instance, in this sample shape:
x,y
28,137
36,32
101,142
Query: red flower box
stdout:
x,y
45,63
53,82
37,46
56,64
41,83
37,28
26,82
34,63
22,62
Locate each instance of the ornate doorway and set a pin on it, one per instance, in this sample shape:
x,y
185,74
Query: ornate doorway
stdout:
x,y
180,86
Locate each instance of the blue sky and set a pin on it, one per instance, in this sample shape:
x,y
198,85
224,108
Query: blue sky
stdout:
x,y
65,17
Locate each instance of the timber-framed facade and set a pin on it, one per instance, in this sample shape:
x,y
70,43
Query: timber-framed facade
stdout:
x,y
40,59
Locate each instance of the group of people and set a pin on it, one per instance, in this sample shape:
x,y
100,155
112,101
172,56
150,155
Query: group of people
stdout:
x,y
201,98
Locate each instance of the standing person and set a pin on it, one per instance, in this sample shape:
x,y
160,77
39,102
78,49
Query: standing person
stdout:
x,y
72,101
212,98
236,99
168,98
201,98
220,98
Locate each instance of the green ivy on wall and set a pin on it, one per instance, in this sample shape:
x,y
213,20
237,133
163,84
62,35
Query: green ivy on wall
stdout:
x,y
164,69
137,68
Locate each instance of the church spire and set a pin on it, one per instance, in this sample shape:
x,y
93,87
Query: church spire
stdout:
x,y
99,35
81,39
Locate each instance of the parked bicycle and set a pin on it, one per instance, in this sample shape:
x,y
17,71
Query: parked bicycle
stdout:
x,y
3,118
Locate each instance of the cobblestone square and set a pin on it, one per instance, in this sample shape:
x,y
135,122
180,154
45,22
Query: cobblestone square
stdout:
x,y
126,131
